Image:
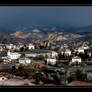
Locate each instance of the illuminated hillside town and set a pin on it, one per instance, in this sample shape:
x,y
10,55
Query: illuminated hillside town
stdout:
x,y
39,64
46,46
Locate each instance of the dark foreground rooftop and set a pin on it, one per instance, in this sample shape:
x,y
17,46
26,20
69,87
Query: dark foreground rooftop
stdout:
x,y
15,82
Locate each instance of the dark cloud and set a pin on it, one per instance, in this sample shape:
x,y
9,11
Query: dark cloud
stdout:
x,y
29,15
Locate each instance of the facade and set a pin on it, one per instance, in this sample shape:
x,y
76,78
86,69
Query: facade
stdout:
x,y
51,61
80,50
68,52
54,54
1,48
24,61
89,54
31,46
13,55
76,59
6,59
85,47
10,46
18,48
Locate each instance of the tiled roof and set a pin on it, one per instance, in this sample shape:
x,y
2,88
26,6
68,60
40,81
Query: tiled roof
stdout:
x,y
15,82
79,83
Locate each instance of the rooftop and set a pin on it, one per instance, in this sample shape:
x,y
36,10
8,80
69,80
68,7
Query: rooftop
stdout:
x,y
16,82
79,83
76,57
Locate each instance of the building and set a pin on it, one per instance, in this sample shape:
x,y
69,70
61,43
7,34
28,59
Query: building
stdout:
x,y
51,61
24,61
6,59
67,52
18,48
10,46
31,46
80,50
85,46
76,59
1,48
54,54
13,55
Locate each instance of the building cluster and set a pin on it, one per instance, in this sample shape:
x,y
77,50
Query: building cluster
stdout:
x,y
14,52
46,54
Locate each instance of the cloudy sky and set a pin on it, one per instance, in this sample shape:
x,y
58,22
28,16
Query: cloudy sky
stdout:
x,y
35,15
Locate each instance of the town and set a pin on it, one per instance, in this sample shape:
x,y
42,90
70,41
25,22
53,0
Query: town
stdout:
x,y
45,63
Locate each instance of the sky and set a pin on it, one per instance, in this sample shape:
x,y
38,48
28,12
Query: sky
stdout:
x,y
36,15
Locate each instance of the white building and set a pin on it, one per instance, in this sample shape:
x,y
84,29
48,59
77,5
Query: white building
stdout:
x,y
85,47
6,59
51,61
13,55
18,48
31,46
10,46
76,59
80,50
54,54
68,52
89,54
24,61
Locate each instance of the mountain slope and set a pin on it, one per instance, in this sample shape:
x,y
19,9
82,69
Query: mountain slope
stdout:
x,y
41,35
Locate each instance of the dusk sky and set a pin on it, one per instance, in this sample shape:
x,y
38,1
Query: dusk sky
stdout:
x,y
35,15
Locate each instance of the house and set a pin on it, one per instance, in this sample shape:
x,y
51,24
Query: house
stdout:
x,y
68,52
51,61
13,55
48,55
76,59
31,46
18,48
85,47
6,59
54,54
10,46
24,61
1,48
80,50
89,54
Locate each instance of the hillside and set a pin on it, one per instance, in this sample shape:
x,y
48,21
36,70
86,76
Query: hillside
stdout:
x,y
6,38
37,34
52,33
